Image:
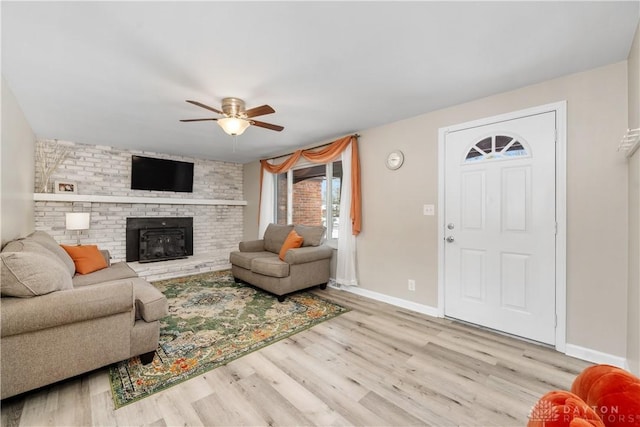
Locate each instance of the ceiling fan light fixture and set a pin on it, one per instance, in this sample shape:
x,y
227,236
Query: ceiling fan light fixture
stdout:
x,y
233,125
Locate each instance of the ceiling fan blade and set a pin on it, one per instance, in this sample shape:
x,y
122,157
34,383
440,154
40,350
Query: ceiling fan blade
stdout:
x,y
199,104
196,120
259,111
267,125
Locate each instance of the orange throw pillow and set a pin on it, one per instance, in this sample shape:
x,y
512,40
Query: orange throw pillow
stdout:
x,y
293,240
87,258
560,408
613,392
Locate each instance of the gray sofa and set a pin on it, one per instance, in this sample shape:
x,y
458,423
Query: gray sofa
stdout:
x,y
58,324
257,261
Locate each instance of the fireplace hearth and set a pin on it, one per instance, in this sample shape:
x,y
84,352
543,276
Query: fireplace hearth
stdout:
x,y
158,239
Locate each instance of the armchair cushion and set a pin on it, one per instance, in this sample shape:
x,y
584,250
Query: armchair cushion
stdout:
x,y
28,274
87,258
245,259
271,266
274,237
251,246
312,234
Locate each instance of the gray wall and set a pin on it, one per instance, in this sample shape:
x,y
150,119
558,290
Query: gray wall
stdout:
x,y
17,171
398,242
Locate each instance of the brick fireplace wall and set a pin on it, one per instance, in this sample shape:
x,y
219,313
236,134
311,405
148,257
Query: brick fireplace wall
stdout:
x,y
103,170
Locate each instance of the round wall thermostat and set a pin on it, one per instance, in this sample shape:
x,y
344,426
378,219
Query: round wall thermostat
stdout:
x,y
395,159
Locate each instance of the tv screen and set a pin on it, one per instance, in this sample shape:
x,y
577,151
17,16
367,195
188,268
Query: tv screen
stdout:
x,y
161,174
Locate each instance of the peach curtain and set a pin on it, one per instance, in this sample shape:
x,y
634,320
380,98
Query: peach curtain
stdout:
x,y
325,155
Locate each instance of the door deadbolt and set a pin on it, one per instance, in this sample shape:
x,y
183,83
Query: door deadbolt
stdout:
x,y
450,226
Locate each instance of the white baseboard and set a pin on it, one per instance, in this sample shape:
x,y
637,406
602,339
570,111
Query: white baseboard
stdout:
x,y
596,356
398,302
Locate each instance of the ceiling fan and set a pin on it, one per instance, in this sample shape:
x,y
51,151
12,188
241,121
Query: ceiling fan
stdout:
x,y
235,119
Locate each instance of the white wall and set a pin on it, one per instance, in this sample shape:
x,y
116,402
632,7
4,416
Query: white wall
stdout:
x,y
633,308
398,242
17,171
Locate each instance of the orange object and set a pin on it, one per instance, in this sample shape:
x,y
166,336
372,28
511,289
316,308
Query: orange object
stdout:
x,y
293,240
563,409
613,392
87,258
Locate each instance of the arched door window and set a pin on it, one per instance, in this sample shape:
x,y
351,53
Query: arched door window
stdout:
x,y
496,147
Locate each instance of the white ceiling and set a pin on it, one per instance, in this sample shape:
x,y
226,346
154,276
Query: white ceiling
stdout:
x,y
118,73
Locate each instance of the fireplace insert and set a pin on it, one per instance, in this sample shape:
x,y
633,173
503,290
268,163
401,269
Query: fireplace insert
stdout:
x,y
159,239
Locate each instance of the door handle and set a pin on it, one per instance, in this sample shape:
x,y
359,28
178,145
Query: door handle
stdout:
x,y
449,239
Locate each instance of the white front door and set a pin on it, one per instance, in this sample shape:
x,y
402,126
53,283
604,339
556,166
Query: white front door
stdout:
x,y
500,226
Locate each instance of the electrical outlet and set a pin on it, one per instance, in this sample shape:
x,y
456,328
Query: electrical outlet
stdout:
x,y
412,285
429,210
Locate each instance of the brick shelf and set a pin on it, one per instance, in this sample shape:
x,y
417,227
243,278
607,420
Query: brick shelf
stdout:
x,y
56,197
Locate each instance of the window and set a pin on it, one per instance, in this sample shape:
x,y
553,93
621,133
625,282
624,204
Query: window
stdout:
x,y
496,147
310,195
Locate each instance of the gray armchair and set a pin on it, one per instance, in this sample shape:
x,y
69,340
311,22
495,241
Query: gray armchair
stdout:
x,y
257,262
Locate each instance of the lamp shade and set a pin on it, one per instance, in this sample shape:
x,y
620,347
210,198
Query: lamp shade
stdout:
x,y
233,125
78,220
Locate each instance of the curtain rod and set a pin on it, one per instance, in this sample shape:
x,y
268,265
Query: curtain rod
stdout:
x,y
357,135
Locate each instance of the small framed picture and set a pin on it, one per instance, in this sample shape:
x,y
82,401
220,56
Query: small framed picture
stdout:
x,y
65,187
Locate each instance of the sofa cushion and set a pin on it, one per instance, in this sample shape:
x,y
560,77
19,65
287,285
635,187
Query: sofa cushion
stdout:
x,y
244,259
118,270
27,245
87,258
271,266
28,274
293,241
48,242
274,237
312,234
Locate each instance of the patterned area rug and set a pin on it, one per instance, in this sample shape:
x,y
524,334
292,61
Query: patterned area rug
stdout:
x,y
212,321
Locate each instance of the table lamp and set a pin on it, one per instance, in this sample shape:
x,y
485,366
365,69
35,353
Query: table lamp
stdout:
x,y
78,221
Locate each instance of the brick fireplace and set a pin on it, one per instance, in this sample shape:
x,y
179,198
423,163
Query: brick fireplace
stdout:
x,y
103,178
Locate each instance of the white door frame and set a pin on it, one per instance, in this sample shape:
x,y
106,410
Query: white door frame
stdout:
x,y
560,108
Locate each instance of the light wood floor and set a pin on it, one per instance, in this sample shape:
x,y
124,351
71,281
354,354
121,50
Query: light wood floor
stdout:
x,y
377,365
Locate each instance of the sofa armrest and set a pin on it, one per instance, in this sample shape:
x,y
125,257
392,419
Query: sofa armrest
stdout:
x,y
252,246
307,254
21,315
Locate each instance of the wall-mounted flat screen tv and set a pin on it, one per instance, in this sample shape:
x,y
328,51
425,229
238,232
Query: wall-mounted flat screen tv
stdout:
x,y
148,173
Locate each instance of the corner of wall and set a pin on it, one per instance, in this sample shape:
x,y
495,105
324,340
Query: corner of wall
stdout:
x,y
17,171
251,191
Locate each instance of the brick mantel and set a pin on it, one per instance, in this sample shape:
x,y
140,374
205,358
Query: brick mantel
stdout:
x,y
52,197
